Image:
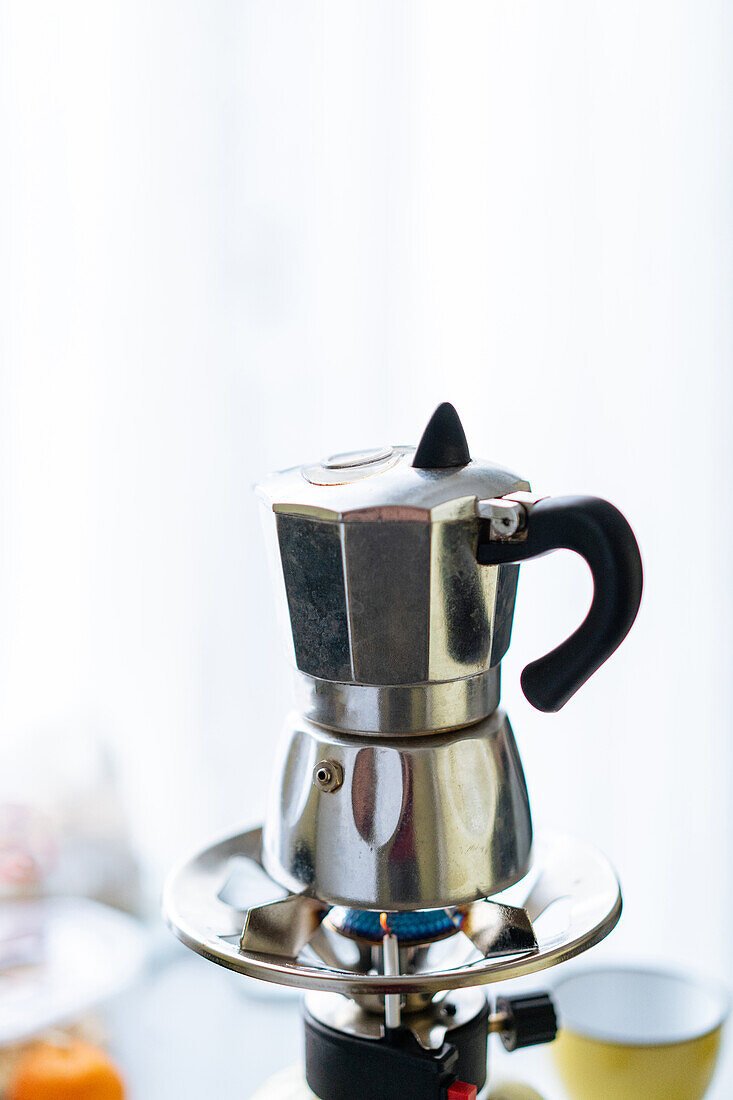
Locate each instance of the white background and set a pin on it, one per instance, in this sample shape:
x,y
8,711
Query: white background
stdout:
x,y
235,236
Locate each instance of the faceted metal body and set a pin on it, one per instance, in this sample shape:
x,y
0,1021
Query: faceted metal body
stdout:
x,y
417,823
377,579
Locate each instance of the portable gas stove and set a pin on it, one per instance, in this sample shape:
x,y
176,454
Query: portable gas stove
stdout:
x,y
396,872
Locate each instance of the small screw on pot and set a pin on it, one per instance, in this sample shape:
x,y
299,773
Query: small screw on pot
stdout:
x,y
328,775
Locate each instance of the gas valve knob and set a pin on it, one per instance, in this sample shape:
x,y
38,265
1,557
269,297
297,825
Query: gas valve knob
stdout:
x,y
524,1021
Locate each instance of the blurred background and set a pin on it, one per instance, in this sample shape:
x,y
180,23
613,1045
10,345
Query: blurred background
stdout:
x,y
237,236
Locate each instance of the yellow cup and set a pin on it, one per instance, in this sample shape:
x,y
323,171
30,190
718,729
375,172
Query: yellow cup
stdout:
x,y
636,1034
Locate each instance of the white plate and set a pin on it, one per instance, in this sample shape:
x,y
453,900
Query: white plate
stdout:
x,y
89,954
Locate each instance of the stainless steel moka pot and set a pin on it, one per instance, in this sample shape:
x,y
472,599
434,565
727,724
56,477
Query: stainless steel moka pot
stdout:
x,y
400,786
396,868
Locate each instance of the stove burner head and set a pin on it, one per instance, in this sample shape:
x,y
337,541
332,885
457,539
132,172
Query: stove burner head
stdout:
x,y
421,927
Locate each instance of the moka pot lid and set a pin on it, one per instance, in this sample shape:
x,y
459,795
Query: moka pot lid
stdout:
x,y
435,481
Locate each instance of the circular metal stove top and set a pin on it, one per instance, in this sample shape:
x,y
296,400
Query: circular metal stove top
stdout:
x,y
571,897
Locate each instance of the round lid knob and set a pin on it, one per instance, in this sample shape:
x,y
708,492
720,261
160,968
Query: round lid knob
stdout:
x,y
351,459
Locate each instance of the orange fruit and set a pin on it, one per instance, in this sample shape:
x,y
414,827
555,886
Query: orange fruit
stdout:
x,y
65,1071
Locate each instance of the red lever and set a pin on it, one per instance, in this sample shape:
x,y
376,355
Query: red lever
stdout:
x,y
460,1090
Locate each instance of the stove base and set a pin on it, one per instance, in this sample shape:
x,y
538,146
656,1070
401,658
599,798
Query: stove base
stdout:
x,y
341,1065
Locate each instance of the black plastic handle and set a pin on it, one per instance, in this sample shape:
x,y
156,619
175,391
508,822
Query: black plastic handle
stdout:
x,y
598,532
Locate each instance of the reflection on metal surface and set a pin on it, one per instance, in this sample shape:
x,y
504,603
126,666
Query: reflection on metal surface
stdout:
x,y
387,587
337,951
443,494
399,710
314,583
506,594
282,927
347,468
429,1026
417,823
249,884
496,929
352,460
566,868
462,602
